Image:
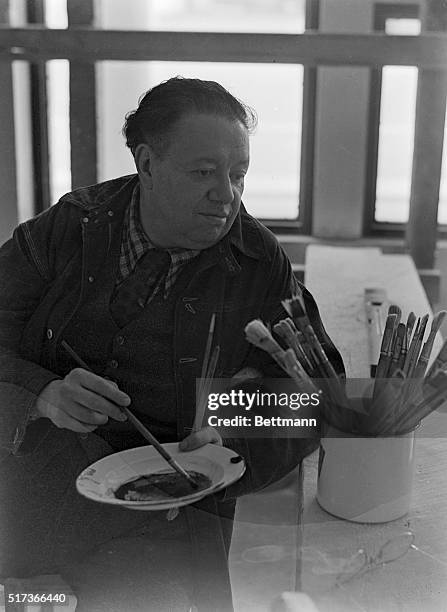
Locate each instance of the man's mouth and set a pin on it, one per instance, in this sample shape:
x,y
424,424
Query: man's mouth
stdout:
x,y
217,216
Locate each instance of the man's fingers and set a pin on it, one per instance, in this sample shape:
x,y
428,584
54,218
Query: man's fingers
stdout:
x,y
100,386
65,421
68,404
83,399
85,414
207,435
94,393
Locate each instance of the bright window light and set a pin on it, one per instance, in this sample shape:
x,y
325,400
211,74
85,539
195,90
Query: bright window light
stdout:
x,y
58,74
396,133
275,91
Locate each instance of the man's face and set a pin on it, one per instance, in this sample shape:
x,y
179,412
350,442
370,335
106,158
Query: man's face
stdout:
x,y
191,195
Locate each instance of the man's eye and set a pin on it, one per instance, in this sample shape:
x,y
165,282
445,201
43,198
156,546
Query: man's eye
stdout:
x,y
203,172
239,176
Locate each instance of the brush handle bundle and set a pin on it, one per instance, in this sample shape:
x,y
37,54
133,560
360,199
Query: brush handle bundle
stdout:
x,y
403,391
305,359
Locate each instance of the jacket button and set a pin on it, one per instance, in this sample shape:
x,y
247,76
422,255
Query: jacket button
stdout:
x,y
91,279
49,333
120,340
113,363
85,220
110,213
187,359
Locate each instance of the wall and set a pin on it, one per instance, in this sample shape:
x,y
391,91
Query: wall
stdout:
x,y
341,128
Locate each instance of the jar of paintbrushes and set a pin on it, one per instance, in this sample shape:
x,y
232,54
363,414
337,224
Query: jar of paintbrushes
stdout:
x,y
367,447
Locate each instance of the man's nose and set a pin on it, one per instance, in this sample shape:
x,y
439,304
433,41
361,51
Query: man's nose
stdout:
x,y
222,189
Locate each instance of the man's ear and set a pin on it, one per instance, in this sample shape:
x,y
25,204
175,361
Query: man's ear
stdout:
x,y
143,161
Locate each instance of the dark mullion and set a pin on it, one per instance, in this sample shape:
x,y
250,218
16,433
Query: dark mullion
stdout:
x,y
375,96
316,49
83,128
39,117
422,227
80,12
308,128
369,209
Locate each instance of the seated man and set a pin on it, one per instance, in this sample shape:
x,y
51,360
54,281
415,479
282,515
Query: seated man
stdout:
x,y
128,273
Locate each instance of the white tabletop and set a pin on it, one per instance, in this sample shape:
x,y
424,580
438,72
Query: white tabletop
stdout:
x,y
337,277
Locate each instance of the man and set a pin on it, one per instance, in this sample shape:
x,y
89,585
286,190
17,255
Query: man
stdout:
x,y
129,273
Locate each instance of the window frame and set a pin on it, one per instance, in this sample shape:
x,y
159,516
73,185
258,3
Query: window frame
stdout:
x,y
371,227
303,223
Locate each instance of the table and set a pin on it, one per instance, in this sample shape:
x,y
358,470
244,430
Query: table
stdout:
x,y
273,528
337,277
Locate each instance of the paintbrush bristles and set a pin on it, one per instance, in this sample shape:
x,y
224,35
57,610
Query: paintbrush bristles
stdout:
x,y
296,309
259,335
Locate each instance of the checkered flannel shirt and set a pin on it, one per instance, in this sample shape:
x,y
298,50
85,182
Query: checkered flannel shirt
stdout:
x,y
135,243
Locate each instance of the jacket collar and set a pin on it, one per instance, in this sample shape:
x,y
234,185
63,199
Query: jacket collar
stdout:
x,y
106,202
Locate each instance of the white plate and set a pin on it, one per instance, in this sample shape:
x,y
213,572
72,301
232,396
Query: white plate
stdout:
x,y
99,481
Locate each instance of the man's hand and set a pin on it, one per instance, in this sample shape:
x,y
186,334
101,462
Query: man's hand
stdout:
x,y
81,401
207,435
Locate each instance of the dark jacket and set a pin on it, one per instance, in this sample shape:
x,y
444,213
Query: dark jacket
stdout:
x,y
44,275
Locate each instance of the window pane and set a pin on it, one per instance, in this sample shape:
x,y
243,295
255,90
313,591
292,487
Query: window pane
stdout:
x,y
396,141
286,16
396,132
396,27
56,14
58,74
274,91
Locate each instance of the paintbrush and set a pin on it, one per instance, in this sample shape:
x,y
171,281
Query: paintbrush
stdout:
x,y
296,371
396,352
258,335
138,425
424,357
411,320
418,337
375,303
285,333
295,339
411,347
403,350
440,362
385,347
299,317
296,309
311,357
206,356
429,403
421,410
202,396
336,390
394,309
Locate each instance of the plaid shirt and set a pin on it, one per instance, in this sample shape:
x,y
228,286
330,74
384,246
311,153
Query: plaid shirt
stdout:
x,y
135,243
